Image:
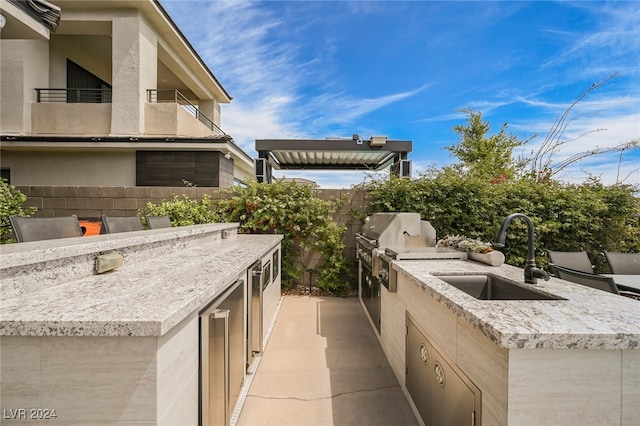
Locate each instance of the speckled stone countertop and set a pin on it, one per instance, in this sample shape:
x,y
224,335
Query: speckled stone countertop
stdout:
x,y
167,276
587,319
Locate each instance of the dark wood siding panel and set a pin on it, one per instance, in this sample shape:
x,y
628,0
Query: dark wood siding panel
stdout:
x,y
167,168
182,168
206,168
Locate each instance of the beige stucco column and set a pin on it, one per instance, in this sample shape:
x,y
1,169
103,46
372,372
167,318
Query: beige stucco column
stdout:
x,y
135,62
211,109
24,66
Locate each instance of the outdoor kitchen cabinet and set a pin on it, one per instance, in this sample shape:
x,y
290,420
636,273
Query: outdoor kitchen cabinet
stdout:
x,y
263,295
542,362
222,343
121,347
441,393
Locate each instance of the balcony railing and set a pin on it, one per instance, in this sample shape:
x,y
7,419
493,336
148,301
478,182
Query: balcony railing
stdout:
x,y
87,96
174,96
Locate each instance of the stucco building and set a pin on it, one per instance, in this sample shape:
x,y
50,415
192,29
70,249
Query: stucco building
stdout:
x,y
110,93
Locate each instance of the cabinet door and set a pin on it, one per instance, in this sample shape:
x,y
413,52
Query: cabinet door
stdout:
x,y
441,393
222,361
235,304
419,364
452,402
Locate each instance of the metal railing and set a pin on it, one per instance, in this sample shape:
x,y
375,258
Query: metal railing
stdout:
x,y
174,96
87,96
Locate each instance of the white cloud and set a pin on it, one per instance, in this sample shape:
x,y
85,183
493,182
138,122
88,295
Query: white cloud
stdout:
x,y
284,89
331,179
610,43
267,78
345,109
591,132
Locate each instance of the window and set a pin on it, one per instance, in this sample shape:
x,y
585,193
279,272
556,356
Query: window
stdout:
x,y
89,88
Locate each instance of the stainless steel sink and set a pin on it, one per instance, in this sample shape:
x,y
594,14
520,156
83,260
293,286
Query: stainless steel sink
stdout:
x,y
493,287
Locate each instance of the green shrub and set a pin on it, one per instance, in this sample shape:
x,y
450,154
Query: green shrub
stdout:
x,y
183,211
290,209
11,200
304,220
589,216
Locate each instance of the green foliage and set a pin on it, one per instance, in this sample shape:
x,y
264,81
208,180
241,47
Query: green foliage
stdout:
x,y
589,216
474,196
464,243
489,157
183,211
305,221
280,208
11,200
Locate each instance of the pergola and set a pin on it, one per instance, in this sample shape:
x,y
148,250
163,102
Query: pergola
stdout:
x,y
372,154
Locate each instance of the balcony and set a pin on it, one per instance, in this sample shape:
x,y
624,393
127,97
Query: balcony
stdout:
x,y
88,112
169,112
71,112
88,96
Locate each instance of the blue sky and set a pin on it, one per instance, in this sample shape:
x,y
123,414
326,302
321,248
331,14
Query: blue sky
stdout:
x,y
314,69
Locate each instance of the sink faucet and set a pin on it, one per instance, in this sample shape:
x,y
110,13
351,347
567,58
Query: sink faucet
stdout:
x,y
531,270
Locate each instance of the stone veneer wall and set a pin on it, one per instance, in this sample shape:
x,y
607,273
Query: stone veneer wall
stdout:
x,y
92,202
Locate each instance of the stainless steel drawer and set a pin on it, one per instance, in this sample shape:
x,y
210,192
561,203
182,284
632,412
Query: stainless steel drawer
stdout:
x,y
443,395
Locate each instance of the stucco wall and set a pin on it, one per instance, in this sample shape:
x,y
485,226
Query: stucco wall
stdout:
x,y
23,67
92,52
63,168
71,119
135,61
171,119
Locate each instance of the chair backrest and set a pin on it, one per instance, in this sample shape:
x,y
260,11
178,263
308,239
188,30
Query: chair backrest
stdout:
x,y
45,228
156,222
576,260
623,263
591,280
115,224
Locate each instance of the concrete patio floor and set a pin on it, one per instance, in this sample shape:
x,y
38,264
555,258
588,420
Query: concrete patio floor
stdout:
x,y
323,365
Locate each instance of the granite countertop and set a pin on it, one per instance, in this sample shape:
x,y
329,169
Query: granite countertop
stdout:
x,y
145,297
587,319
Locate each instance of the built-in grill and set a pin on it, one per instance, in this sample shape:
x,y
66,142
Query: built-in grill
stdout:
x,y
392,236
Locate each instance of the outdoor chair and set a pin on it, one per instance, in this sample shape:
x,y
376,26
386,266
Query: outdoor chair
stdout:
x,y
598,282
575,260
623,263
45,228
157,222
115,224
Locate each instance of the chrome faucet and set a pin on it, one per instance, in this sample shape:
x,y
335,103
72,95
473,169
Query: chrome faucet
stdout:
x,y
531,270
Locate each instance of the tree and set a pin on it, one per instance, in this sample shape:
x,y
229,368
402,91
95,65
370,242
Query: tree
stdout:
x,y
484,156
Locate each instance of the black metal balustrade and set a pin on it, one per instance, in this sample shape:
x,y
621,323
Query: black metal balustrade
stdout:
x,y
174,96
87,96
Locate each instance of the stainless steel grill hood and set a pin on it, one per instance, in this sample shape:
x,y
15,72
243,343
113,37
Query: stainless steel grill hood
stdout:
x,y
397,229
403,236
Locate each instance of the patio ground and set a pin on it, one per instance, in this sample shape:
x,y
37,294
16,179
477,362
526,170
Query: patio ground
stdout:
x,y
323,365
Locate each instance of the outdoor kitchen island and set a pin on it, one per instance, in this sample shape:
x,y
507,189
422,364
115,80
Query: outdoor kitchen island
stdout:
x,y
572,361
123,346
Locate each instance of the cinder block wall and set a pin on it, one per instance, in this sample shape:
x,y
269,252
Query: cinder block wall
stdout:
x,y
92,202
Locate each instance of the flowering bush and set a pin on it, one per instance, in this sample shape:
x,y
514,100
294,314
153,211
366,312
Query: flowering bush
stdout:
x,y
460,242
11,201
306,223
